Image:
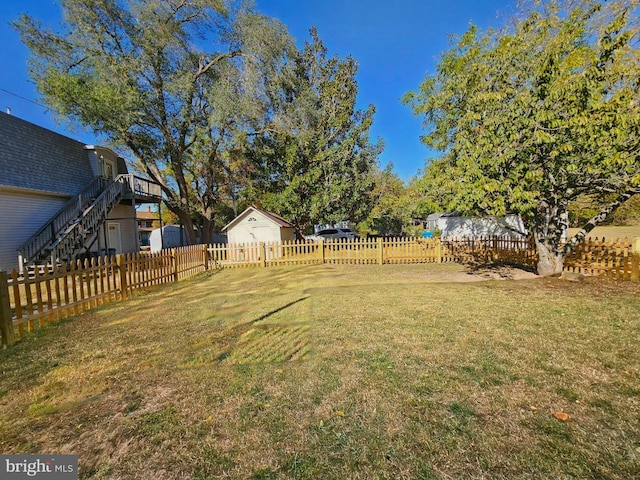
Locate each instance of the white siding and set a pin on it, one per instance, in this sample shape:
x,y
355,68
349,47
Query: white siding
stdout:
x,y
461,227
125,216
254,227
22,215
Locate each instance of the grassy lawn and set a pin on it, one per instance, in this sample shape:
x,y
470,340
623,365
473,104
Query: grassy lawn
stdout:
x,y
611,232
337,372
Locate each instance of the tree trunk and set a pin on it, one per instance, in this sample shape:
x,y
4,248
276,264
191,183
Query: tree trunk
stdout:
x,y
205,232
550,261
552,222
187,224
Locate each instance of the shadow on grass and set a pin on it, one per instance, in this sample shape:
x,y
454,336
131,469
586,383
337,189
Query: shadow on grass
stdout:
x,y
500,268
237,331
277,310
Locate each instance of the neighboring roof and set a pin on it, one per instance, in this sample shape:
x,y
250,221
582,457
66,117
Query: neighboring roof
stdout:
x,y
146,215
434,216
35,158
277,219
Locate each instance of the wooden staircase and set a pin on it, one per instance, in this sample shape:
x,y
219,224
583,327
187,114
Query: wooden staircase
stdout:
x,y
72,231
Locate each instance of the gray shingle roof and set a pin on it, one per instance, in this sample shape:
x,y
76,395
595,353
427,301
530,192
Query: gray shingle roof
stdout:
x,y
36,158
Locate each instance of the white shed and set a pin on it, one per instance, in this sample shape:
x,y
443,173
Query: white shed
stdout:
x,y
451,225
255,225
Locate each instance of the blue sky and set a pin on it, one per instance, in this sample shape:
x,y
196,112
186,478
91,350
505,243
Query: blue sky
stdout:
x,y
395,43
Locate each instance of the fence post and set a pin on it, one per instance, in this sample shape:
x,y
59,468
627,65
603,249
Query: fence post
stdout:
x,y
635,259
205,256
262,251
320,244
122,274
438,250
6,318
380,248
174,261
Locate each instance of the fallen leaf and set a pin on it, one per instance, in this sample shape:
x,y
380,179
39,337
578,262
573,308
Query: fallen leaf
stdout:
x,y
340,413
563,417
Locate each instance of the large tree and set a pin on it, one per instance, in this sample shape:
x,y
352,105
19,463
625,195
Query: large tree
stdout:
x,y
389,213
179,82
321,161
537,115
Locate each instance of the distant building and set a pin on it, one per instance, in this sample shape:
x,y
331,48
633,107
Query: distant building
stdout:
x,y
255,225
147,221
452,225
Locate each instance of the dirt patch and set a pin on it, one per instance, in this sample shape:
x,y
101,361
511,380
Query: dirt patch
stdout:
x,y
479,274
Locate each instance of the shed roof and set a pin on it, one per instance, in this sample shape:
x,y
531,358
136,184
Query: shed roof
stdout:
x,y
277,219
35,158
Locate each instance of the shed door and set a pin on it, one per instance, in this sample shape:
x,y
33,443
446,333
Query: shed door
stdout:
x,y
263,234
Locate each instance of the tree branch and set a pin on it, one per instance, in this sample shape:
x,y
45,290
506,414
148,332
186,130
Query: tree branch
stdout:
x,y
204,67
598,219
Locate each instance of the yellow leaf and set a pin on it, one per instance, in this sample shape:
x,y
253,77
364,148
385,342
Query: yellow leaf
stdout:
x,y
563,417
340,413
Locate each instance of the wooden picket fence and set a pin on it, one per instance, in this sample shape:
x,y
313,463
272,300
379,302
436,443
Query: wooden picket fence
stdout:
x,y
618,259
372,251
33,301
28,302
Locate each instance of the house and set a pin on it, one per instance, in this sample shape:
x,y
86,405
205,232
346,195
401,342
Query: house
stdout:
x,y
255,225
147,221
61,199
452,225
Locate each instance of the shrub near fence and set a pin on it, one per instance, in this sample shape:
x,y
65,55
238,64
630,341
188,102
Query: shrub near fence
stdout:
x,y
26,303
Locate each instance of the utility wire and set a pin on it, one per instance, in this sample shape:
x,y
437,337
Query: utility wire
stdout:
x,y
24,98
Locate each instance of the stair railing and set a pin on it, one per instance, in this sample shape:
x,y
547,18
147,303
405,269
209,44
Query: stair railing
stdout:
x,y
44,237
74,237
67,232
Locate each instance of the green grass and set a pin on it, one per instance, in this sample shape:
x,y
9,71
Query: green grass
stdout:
x,y
337,372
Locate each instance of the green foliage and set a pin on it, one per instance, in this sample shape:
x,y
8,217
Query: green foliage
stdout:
x,y
629,213
178,83
320,162
537,115
390,212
